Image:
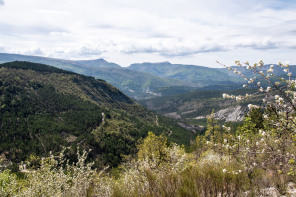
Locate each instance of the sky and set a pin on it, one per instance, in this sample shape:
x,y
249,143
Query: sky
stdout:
x,y
197,32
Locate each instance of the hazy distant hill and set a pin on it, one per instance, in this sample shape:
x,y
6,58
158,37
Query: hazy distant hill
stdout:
x,y
138,85
198,75
43,108
135,84
97,63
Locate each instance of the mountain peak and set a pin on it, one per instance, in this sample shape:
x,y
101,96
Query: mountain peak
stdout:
x,y
98,63
165,63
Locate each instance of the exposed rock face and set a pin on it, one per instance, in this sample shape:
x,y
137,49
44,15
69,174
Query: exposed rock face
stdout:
x,y
231,114
173,115
193,128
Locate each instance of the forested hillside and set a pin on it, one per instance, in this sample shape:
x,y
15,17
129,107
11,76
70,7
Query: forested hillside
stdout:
x,y
43,108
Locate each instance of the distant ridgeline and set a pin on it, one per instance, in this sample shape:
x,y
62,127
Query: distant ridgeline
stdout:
x,y
142,81
43,109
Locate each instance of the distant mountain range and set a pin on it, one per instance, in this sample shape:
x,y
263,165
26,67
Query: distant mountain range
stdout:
x,y
148,80
199,76
135,84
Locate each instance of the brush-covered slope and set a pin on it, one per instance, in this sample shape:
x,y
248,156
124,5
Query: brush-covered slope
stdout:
x,y
135,84
198,75
43,108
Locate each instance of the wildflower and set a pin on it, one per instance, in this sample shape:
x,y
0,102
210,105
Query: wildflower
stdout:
x,y
289,74
225,140
224,170
280,100
259,83
285,70
271,67
262,133
268,89
261,63
261,89
280,63
239,171
245,86
270,70
251,106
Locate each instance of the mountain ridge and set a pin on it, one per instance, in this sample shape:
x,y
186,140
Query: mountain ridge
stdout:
x,y
198,75
118,76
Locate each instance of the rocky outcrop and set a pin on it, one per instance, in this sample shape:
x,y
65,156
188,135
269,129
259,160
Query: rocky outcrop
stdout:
x,y
190,127
231,114
173,115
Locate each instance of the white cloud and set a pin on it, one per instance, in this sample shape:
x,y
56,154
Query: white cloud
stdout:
x,y
174,30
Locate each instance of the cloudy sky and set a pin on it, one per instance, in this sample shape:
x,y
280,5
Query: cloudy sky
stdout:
x,y
195,32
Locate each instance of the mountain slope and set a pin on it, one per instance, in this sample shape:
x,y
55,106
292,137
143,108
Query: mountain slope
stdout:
x,y
138,85
198,75
43,108
191,109
97,63
135,84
